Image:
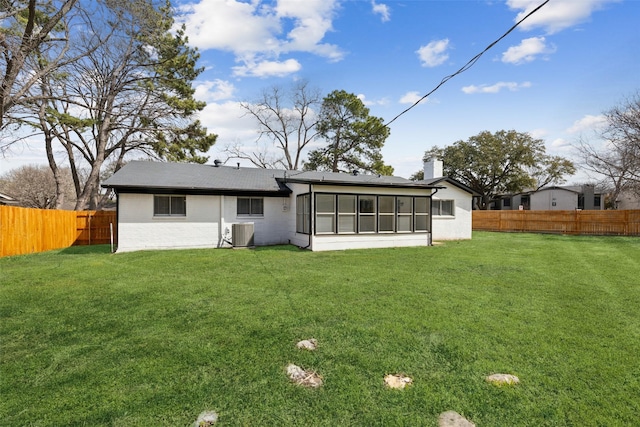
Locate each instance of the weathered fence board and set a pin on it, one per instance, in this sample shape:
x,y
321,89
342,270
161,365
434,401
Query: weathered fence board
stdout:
x,y
619,223
24,230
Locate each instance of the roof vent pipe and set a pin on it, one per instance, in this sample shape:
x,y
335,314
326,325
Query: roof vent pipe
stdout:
x,y
238,167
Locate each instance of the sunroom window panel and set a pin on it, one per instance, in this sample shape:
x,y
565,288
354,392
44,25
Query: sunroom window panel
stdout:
x,y
404,205
422,223
325,203
346,204
386,204
404,223
325,223
421,205
346,223
367,204
386,223
302,213
367,223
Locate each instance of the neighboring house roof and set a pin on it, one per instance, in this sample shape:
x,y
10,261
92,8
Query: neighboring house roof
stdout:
x,y
5,199
578,189
159,177
446,179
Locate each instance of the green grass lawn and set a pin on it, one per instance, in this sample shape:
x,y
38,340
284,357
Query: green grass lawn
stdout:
x,y
154,338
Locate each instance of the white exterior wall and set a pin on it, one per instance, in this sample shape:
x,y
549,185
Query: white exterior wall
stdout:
x,y
272,228
454,227
209,219
138,229
544,200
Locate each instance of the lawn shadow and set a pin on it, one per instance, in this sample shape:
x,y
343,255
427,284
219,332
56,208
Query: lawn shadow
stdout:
x,y
86,250
281,248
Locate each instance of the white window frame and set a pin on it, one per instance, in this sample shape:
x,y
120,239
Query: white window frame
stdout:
x,y
252,202
171,213
437,204
325,214
303,213
362,215
421,215
347,213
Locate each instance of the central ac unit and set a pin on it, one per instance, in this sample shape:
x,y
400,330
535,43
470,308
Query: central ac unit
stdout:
x,y
242,235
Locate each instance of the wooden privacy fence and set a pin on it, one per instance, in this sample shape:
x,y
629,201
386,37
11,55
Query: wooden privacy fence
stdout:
x,y
24,230
620,223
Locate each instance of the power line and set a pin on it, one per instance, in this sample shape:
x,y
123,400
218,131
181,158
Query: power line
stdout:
x,y
471,62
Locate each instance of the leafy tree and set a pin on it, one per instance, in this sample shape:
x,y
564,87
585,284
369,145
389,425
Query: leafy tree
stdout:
x,y
35,187
287,119
26,29
550,170
501,162
354,138
130,93
617,162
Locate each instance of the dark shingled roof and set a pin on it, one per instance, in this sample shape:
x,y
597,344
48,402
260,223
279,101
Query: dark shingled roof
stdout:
x,y
209,179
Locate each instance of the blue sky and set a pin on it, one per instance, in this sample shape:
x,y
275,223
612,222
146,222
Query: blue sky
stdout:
x,y
552,77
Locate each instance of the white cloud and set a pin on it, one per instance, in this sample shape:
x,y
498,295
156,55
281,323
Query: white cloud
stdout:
x,y
588,122
557,14
495,88
411,98
368,103
256,28
381,9
559,143
230,122
527,51
538,133
434,53
216,90
267,68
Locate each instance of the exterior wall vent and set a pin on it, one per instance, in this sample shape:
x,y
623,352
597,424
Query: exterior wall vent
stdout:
x,y
242,235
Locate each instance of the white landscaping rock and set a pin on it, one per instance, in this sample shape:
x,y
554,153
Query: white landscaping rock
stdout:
x,y
453,419
397,381
310,344
302,377
502,379
206,419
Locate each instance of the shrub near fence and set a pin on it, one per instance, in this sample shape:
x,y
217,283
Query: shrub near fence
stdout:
x,y
24,230
619,223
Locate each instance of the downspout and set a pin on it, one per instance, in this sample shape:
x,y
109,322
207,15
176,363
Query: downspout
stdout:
x,y
431,218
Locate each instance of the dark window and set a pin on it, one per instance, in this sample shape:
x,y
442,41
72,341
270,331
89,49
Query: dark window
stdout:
x,y
442,207
386,214
303,214
169,205
367,214
250,206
